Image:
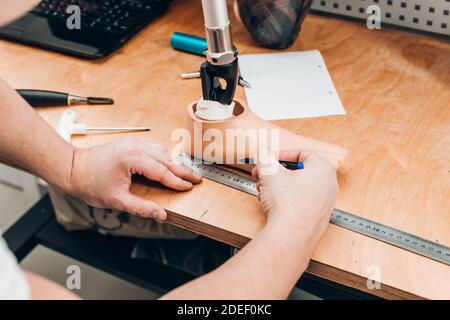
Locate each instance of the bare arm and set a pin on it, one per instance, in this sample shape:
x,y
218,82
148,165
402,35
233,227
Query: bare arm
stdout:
x,y
28,142
101,176
45,289
298,205
267,268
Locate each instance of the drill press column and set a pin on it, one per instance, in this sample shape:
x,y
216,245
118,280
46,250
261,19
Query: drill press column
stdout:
x,y
220,72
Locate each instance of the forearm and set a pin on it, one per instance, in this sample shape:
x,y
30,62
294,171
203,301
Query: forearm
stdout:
x,y
45,289
267,268
28,142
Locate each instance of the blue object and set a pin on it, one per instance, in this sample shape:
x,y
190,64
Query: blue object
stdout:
x,y
188,43
291,165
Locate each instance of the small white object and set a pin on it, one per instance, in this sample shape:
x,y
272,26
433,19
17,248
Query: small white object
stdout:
x,y
213,110
289,85
67,125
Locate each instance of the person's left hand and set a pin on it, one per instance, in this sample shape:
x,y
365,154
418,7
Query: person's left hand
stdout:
x,y
101,175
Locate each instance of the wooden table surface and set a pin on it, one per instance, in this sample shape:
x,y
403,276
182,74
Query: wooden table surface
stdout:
x,y
395,87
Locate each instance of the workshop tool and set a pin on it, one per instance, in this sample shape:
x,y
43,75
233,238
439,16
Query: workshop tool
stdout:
x,y
196,74
67,126
44,98
291,165
220,72
339,217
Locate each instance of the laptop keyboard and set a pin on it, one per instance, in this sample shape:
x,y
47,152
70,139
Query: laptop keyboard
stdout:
x,y
115,17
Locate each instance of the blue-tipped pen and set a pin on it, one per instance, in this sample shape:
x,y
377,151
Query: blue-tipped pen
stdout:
x,y
291,165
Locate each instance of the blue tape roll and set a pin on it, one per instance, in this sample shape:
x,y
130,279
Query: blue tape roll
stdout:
x,y
188,43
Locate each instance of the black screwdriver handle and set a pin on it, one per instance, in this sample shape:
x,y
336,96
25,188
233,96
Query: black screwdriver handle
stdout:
x,y
44,98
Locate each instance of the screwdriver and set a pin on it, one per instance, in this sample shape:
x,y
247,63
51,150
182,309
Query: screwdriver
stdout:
x,y
44,98
68,126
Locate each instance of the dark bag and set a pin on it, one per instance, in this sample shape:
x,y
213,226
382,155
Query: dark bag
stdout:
x,y
273,24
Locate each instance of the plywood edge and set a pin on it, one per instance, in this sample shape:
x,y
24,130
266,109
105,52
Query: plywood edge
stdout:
x,y
207,230
357,282
315,268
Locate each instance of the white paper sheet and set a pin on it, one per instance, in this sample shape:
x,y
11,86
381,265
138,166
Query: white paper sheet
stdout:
x,y
289,85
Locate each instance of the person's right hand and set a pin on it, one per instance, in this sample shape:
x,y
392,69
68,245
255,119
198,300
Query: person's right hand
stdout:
x,y
301,199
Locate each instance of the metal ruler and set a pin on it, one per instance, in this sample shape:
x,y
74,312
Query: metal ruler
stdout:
x,y
340,218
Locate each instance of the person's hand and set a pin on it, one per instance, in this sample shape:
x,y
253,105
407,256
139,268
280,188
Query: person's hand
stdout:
x,y
13,9
101,176
301,199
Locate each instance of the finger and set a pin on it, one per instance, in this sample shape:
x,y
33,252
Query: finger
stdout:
x,y
267,164
255,176
141,207
178,169
182,171
312,159
157,146
307,156
255,173
289,155
156,171
295,155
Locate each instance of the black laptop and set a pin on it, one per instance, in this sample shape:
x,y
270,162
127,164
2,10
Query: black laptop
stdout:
x,y
103,25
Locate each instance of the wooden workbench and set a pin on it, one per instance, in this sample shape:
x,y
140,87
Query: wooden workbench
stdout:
x,y
395,87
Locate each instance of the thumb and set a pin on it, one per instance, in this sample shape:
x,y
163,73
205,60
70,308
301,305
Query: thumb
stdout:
x,y
141,207
267,164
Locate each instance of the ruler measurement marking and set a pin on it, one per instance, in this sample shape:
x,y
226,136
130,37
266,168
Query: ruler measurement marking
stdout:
x,y
340,218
